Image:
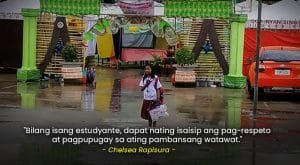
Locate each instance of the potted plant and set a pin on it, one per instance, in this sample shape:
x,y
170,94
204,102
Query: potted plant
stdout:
x,y
184,68
184,59
156,64
69,53
70,68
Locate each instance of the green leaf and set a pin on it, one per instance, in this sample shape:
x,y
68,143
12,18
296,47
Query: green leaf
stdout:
x,y
69,53
184,57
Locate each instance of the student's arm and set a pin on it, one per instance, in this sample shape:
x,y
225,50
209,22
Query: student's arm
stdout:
x,y
145,86
141,84
157,90
158,94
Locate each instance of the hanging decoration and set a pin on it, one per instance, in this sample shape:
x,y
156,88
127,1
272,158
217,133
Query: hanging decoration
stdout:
x,y
159,28
175,23
137,25
170,36
71,7
141,7
105,45
123,21
115,25
198,8
97,29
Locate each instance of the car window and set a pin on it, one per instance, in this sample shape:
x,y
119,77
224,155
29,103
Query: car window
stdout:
x,y
280,55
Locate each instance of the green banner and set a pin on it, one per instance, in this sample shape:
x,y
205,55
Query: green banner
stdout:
x,y
199,8
71,7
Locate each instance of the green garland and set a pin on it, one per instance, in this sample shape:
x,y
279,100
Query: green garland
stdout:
x,y
198,8
71,7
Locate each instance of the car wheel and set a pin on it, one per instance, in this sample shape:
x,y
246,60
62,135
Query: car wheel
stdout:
x,y
250,90
261,92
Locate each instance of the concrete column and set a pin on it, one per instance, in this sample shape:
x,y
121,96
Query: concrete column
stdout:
x,y
28,71
235,78
25,45
32,42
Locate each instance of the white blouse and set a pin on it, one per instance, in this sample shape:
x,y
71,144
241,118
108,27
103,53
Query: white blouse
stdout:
x,y
149,91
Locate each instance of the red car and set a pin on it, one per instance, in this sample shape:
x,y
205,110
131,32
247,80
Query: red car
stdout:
x,y
279,69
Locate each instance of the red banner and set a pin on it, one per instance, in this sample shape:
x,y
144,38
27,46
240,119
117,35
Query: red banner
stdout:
x,y
268,38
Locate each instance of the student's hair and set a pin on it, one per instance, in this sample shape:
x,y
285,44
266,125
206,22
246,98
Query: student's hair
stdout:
x,y
151,74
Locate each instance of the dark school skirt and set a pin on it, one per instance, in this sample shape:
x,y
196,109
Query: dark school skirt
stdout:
x,y
145,109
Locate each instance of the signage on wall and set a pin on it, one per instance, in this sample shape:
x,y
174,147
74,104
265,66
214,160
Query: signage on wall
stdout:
x,y
275,24
11,15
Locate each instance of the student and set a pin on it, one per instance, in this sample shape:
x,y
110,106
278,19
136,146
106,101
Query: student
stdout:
x,y
90,76
207,46
150,85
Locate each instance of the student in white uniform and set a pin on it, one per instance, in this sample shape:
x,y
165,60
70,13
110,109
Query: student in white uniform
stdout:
x,y
150,85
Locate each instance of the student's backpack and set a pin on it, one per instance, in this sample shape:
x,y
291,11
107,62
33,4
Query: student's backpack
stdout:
x,y
161,90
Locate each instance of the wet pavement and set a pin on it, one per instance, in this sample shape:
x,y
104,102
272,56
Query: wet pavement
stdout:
x,y
115,101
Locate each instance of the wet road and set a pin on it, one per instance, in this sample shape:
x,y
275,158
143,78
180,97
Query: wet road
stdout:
x,y
115,102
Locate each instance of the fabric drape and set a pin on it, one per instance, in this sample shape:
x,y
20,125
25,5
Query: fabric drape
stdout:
x,y
105,45
91,45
